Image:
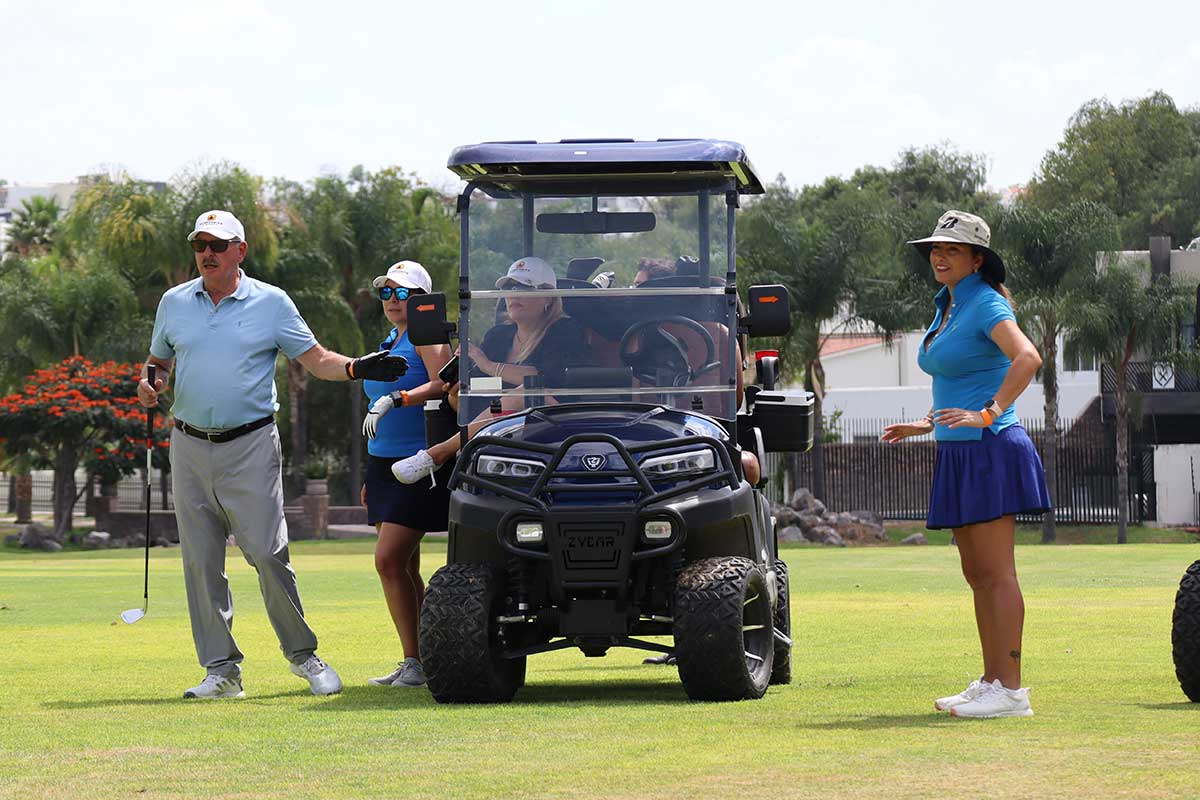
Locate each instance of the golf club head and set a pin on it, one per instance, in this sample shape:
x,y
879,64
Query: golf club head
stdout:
x,y
132,615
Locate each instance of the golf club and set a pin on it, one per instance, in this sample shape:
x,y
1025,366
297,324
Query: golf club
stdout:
x,y
134,614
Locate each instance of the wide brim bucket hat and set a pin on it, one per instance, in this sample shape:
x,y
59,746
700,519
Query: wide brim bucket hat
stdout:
x,y
969,229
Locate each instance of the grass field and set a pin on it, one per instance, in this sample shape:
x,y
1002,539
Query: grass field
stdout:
x,y
92,708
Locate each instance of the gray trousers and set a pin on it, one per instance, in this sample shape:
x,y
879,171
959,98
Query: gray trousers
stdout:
x,y
235,488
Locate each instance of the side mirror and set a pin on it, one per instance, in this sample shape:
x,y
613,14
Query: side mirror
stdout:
x,y
770,311
427,319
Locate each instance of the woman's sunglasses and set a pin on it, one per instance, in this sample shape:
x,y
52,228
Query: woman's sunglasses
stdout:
x,y
401,292
217,245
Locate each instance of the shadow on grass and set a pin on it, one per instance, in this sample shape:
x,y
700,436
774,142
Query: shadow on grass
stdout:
x,y
885,722
1182,705
576,692
117,702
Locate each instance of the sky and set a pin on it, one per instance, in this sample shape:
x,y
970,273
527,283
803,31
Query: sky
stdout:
x,y
298,89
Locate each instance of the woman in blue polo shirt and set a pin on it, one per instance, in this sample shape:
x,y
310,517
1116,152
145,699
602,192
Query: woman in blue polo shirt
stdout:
x,y
395,426
987,470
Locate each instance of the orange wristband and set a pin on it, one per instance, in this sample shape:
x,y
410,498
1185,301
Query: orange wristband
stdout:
x,y
988,419
403,397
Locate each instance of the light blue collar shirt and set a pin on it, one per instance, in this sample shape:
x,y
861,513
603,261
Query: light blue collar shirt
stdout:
x,y
225,353
966,365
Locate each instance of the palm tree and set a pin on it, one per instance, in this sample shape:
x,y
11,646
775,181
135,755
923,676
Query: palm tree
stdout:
x,y
35,226
1122,314
356,226
1049,255
831,268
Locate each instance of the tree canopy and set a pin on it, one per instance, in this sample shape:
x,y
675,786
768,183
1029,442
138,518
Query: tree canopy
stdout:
x,y
1141,159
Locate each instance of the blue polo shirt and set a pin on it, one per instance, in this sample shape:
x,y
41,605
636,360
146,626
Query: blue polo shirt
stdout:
x,y
401,431
225,354
966,365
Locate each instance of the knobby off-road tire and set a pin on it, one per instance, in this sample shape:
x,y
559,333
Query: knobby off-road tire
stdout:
x,y
724,647
1185,633
781,672
460,647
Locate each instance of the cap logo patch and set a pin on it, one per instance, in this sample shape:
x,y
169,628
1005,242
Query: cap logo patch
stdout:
x,y
949,224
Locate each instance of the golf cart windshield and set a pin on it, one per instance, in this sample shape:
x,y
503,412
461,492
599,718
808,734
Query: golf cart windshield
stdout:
x,y
636,309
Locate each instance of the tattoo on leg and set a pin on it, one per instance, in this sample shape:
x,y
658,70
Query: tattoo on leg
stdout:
x,y
1015,654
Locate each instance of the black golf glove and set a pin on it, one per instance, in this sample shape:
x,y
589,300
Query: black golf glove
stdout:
x,y
379,366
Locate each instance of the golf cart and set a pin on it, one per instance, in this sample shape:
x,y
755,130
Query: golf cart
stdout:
x,y
605,500
1185,633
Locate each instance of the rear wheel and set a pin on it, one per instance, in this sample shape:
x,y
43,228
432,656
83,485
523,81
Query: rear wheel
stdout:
x,y
724,646
1185,633
781,672
460,643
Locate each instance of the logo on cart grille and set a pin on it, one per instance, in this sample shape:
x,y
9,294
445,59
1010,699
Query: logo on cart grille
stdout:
x,y
594,462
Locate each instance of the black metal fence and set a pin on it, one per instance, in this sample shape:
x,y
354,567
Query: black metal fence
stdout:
x,y
131,493
861,473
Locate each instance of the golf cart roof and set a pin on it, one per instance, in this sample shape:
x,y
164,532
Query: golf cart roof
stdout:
x,y
605,166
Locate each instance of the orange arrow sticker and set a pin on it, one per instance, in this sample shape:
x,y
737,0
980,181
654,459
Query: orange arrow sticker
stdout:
x,y
770,298
425,308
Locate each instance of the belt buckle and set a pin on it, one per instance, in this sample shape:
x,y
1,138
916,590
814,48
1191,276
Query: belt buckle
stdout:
x,y
209,435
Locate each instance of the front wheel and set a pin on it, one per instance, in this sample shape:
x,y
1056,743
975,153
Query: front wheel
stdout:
x,y
1185,633
724,645
460,643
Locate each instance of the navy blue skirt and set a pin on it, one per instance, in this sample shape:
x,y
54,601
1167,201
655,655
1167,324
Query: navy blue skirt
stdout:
x,y
419,505
980,481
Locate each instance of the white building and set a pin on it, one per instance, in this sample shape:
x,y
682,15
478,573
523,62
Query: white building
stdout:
x,y
868,379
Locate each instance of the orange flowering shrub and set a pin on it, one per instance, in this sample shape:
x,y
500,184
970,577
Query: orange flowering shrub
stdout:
x,y
91,409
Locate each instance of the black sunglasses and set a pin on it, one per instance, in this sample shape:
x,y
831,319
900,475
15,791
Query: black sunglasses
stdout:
x,y
217,245
401,292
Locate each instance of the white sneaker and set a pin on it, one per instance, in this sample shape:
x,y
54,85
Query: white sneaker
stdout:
x,y
412,673
965,696
996,701
414,468
216,687
408,672
320,676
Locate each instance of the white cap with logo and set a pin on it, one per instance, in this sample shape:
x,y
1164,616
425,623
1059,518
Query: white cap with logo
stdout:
x,y
409,274
530,272
220,224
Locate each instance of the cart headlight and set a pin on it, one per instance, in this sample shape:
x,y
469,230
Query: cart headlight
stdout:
x,y
529,532
504,467
690,462
656,530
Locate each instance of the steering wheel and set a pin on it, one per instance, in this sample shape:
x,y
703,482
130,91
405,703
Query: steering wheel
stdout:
x,y
661,350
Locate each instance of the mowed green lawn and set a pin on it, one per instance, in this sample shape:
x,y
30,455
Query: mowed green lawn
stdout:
x,y
91,707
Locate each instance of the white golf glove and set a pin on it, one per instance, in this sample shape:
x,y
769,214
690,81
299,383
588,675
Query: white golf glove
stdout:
x,y
380,407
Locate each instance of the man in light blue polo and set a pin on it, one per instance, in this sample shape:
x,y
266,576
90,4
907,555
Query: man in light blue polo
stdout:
x,y
221,332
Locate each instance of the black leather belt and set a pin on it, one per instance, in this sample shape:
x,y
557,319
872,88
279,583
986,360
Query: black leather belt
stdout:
x,y
217,437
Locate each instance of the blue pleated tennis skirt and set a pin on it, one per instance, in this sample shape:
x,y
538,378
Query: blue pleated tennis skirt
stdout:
x,y
979,481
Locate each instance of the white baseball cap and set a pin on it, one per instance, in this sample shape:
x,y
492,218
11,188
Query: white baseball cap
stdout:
x,y
530,272
406,273
220,224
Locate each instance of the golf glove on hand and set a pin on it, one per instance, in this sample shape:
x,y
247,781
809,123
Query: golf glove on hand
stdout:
x,y
380,407
378,366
